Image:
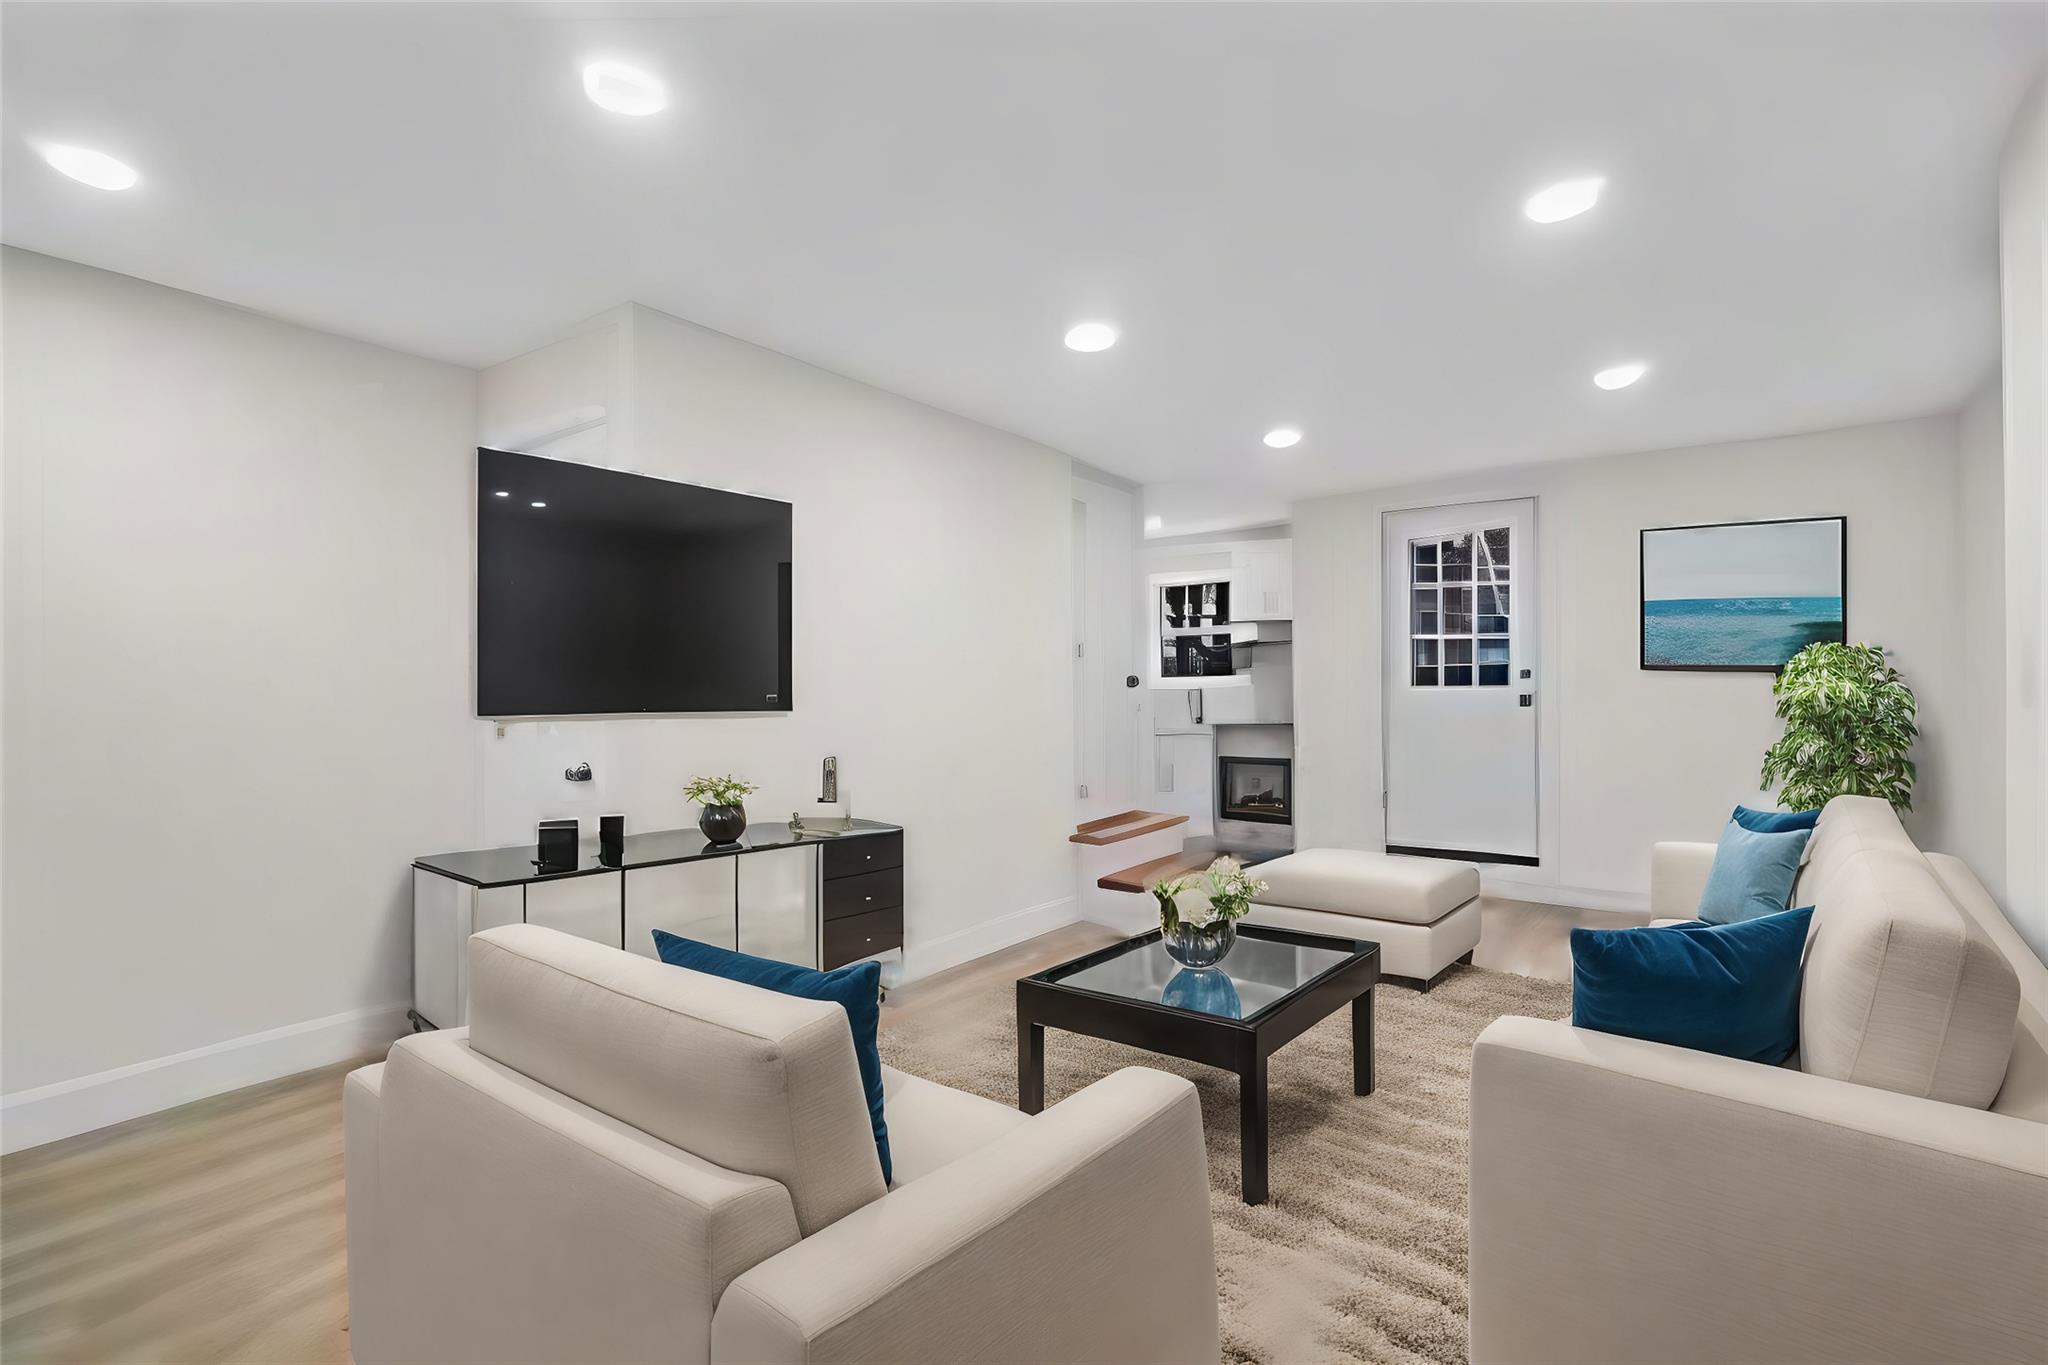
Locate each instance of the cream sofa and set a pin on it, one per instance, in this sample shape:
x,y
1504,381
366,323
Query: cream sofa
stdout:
x,y
1881,1197
620,1160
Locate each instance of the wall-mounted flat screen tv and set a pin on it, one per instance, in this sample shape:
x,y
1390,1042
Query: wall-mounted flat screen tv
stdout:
x,y
603,593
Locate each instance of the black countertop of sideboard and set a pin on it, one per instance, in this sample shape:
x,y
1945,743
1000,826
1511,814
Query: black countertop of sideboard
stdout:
x,y
492,867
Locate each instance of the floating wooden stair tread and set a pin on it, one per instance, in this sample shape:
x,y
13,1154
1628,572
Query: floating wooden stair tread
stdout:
x,y
1114,829
1144,876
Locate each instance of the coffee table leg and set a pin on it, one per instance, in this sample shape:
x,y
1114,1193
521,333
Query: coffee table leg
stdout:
x,y
1361,1043
1030,1066
1251,1116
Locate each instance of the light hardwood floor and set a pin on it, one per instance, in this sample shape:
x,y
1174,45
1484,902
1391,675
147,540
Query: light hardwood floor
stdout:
x,y
213,1232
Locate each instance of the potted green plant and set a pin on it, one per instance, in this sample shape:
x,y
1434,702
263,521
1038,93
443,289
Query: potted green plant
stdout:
x,y
1850,720
724,817
1198,914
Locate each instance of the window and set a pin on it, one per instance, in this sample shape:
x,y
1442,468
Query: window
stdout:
x,y
1194,630
1460,612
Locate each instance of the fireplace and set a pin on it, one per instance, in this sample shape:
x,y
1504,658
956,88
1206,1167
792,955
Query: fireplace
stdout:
x,y
1257,790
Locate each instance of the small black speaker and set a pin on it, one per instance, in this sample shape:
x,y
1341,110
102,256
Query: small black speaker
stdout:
x,y
611,839
557,845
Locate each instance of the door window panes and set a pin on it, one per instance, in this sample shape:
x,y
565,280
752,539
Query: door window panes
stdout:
x,y
1457,559
1493,610
1425,561
1423,618
1457,611
1426,662
1460,617
1493,661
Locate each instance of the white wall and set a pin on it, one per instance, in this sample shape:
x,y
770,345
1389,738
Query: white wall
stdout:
x,y
238,696
571,399
1973,824
932,626
237,661
1629,757
1106,711
2023,243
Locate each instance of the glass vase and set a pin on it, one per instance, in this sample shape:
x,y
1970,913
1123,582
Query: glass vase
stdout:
x,y
1199,946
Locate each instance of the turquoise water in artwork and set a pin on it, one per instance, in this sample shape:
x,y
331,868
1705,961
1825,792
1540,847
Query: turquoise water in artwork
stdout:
x,y
1737,631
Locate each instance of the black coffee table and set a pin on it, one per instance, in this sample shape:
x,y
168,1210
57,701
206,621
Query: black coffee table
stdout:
x,y
1274,986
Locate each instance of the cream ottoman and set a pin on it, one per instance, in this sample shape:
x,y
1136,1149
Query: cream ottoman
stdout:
x,y
1423,912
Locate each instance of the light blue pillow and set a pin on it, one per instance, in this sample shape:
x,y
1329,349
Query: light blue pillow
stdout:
x,y
1726,988
1753,874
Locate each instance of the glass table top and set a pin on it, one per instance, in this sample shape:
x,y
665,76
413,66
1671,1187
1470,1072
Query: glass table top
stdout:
x,y
1255,975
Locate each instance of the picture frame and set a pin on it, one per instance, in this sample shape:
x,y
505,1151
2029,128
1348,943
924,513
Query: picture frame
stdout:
x,y
1740,596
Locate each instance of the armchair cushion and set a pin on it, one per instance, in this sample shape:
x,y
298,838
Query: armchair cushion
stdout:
x,y
750,1080
1729,989
857,989
931,1126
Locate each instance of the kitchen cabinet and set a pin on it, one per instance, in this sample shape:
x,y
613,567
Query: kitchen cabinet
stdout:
x,y
1262,580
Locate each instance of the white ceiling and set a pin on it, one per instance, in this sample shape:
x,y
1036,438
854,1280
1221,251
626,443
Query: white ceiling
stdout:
x,y
1303,215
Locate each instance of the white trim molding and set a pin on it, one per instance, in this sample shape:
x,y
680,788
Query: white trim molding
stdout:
x,y
31,1118
936,955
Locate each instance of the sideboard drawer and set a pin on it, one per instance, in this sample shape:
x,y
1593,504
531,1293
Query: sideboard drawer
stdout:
x,y
868,892
869,853
853,937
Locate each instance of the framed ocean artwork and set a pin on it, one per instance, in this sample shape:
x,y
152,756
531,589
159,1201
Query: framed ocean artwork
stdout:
x,y
1743,596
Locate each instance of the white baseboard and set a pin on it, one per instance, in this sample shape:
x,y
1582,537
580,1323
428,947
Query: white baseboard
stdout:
x,y
1497,881
936,955
30,1118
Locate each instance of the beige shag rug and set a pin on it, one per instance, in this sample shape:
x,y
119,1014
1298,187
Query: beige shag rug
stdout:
x,y
1360,1252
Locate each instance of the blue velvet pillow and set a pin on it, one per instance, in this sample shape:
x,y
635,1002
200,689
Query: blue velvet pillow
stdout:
x,y
1774,821
856,989
1753,874
1731,989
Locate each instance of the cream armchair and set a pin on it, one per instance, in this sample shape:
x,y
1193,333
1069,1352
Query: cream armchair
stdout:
x,y
624,1161
1882,1197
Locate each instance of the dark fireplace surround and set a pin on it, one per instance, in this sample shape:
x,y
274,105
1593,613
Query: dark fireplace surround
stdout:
x,y
1256,790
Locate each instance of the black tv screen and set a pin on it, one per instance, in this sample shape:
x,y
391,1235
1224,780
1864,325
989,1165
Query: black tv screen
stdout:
x,y
599,592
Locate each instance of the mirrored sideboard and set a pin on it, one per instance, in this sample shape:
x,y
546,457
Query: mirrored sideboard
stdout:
x,y
779,892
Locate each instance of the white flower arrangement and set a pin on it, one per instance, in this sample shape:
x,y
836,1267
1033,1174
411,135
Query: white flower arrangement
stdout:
x,y
1226,896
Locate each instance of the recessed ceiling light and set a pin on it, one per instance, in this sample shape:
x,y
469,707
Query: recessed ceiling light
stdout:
x,y
501,493
1621,376
536,504
89,167
1282,437
1154,523
623,89
1566,199
1091,336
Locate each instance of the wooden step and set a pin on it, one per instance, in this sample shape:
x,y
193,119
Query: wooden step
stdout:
x,y
1114,829
1145,876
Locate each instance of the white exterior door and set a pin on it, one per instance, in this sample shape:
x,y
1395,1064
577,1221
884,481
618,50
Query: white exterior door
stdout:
x,y
1460,655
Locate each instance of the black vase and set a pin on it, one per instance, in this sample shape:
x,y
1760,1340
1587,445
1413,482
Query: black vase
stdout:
x,y
723,824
